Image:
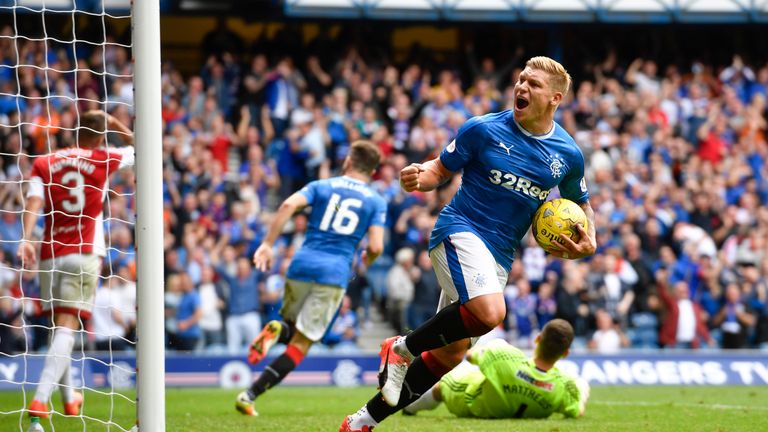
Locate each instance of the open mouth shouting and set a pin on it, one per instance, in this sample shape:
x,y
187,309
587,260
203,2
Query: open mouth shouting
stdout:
x,y
521,102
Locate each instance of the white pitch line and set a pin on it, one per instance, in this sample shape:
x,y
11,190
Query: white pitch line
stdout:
x,y
687,405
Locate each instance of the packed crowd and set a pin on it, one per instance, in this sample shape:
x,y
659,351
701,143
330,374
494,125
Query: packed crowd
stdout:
x,y
676,171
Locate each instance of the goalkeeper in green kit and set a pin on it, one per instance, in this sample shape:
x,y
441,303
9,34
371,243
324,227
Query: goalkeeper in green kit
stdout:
x,y
504,383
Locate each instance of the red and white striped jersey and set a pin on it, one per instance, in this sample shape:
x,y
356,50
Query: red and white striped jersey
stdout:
x,y
73,185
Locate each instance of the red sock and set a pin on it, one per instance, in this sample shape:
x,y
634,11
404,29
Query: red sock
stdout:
x,y
276,371
474,326
294,354
434,364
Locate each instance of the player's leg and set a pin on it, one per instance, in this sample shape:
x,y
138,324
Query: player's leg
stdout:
x,y
470,279
67,288
314,316
450,388
428,401
468,274
424,372
295,294
281,366
65,384
71,398
57,361
276,331
312,311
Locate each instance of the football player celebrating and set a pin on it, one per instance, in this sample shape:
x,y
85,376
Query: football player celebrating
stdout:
x,y
344,210
510,162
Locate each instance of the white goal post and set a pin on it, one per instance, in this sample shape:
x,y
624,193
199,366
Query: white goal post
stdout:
x,y
150,354
51,74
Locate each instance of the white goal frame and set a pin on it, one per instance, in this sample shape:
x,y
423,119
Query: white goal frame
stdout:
x,y
150,333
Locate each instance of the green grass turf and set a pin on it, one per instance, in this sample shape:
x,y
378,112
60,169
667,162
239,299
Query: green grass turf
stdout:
x,y
287,409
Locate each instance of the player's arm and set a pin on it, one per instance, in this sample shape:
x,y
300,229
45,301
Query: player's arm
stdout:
x,y
575,393
26,252
461,151
376,232
33,207
375,244
584,391
476,353
424,177
115,125
263,256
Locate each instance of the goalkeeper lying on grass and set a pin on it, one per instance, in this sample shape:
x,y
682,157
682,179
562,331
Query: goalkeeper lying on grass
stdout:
x,y
501,382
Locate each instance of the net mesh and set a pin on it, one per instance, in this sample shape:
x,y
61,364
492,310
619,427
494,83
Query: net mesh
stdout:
x,y
61,59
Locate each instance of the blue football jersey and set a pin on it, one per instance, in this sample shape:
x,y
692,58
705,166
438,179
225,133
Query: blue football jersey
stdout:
x,y
507,174
343,209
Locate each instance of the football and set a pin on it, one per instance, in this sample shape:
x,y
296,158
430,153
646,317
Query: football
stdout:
x,y
555,217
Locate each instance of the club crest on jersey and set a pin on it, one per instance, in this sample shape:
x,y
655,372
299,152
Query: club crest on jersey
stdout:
x,y
556,165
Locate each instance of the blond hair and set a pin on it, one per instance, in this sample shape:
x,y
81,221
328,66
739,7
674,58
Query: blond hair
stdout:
x,y
560,80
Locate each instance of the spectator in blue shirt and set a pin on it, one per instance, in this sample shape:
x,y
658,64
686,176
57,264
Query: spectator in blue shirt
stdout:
x,y
243,321
10,228
734,319
188,315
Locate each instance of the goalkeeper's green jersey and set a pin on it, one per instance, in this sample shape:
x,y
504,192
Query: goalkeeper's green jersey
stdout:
x,y
508,385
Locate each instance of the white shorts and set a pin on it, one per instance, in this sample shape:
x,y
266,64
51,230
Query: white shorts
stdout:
x,y
466,269
68,284
310,306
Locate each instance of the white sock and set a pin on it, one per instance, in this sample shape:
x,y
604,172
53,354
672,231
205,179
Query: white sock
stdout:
x,y
401,348
427,401
66,384
362,418
56,362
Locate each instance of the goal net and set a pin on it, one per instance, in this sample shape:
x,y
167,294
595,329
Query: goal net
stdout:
x,y
63,59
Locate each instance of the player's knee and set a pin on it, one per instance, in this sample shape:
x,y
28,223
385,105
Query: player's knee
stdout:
x,y
474,325
488,311
494,316
301,342
67,320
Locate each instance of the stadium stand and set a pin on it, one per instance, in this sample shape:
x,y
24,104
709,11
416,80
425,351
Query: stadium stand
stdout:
x,y
675,151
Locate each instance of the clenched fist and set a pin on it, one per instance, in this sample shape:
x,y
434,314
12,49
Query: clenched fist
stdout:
x,y
409,177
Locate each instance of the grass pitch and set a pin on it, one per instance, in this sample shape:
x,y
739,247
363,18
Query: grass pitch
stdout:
x,y
288,409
